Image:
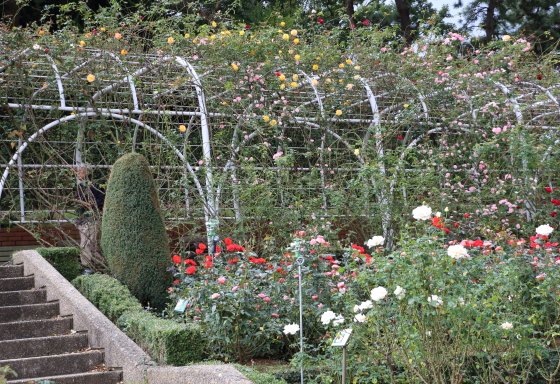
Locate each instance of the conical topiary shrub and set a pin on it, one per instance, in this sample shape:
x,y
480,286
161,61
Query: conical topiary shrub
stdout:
x,y
133,237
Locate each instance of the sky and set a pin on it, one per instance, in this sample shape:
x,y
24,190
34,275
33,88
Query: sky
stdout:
x,y
438,4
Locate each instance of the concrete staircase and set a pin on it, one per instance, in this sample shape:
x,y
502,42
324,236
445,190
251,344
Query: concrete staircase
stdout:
x,y
38,343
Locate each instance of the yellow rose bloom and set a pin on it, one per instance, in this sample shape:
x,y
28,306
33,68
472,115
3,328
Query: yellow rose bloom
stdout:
x,y
314,82
356,77
296,41
293,84
182,128
82,43
293,32
406,105
356,152
241,33
285,36
295,77
187,35
341,65
282,86
348,61
282,24
213,37
234,66
118,36
338,112
214,24
315,67
90,78
103,29
266,119
41,32
297,57
506,37
170,40
124,52
273,123
282,77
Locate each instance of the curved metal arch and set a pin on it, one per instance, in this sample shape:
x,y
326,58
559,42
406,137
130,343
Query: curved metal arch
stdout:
x,y
86,114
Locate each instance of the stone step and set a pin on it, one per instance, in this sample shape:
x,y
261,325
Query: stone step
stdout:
x,y
23,297
35,328
33,367
42,346
11,271
29,312
105,377
17,283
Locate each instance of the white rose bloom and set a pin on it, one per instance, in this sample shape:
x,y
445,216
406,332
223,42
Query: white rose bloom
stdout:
x,y
399,292
544,230
461,301
435,300
506,325
360,318
375,241
457,251
365,305
327,317
338,320
291,329
422,212
356,308
378,293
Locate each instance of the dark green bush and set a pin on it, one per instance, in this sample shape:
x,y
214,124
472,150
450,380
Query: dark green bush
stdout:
x,y
111,297
133,236
65,260
166,341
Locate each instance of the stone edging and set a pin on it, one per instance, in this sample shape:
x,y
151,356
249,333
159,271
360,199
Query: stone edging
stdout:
x,y
120,350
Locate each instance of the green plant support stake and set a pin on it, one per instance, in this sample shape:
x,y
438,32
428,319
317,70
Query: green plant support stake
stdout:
x,y
300,260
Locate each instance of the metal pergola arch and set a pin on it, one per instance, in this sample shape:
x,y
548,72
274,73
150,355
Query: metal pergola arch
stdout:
x,y
370,95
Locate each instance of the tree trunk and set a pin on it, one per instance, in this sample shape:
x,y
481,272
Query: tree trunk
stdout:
x,y
349,5
489,23
10,9
404,13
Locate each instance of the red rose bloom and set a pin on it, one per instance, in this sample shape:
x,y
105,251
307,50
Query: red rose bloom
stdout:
x,y
190,270
227,240
176,259
321,21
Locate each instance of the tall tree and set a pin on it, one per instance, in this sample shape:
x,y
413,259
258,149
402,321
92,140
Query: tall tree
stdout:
x,y
538,19
406,25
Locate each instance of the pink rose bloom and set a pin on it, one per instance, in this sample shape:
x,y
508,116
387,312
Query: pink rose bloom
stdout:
x,y
215,295
221,280
267,299
235,288
340,285
275,315
262,295
314,297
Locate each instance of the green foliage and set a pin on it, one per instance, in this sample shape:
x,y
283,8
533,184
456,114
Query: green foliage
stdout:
x,y
134,239
166,341
111,297
259,377
5,370
65,260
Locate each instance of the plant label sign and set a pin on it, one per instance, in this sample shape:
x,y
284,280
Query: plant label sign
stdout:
x,y
181,305
342,337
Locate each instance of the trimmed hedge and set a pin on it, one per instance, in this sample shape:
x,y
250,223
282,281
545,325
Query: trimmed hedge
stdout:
x,y
133,235
166,341
64,259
